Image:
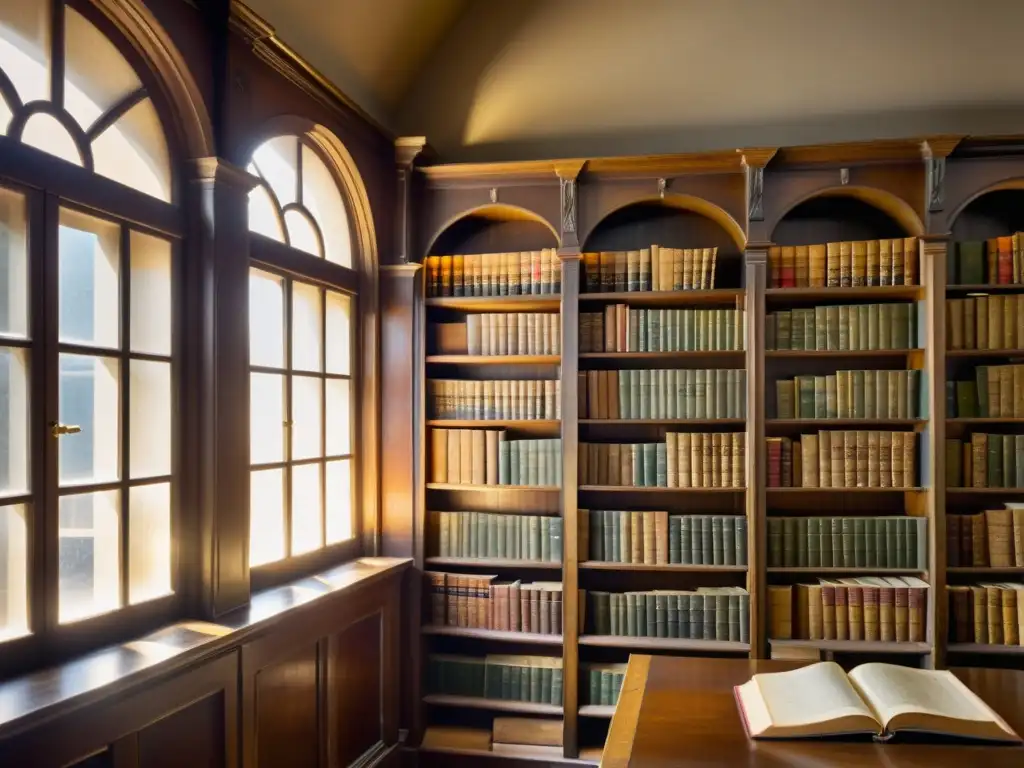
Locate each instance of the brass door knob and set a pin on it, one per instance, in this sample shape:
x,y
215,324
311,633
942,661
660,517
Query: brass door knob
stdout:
x,y
57,429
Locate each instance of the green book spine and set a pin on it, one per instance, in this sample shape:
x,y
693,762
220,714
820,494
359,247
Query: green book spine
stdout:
x,y
625,401
892,525
631,331
607,686
635,388
820,398
721,617
870,392
966,400
836,527
642,331
660,616
625,538
870,553
858,395
914,394
810,338
784,389
671,386
686,539
805,386
880,542
859,543
640,615
802,555
696,616
1009,461
709,616
613,614
849,543
536,686
637,452
675,539
821,328
913,524
556,686
651,616
789,554
631,614
874,330
831,397
885,326
729,540
717,543
707,546
535,538
864,326
514,462
660,465
696,539
493,534
828,557
734,617
741,540
995,462
1018,461
611,536
545,539
813,545
650,465
672,615
981,386
796,329
775,556
784,322
844,327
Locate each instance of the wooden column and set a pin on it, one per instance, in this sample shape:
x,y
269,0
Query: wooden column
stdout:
x,y
755,281
215,478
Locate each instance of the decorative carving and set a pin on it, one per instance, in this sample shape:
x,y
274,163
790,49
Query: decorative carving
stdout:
x,y
662,185
844,176
494,194
755,193
568,187
936,168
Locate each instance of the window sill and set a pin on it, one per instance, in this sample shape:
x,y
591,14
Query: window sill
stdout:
x,y
29,700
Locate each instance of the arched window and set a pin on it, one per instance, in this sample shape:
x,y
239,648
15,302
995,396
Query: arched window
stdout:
x,y
302,299
88,368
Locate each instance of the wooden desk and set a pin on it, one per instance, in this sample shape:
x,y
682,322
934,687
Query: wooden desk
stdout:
x,y
681,712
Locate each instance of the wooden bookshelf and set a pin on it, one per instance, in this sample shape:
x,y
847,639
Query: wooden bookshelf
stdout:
x,y
832,295
716,296
603,711
598,565
494,359
663,644
525,638
856,646
496,303
495,705
987,650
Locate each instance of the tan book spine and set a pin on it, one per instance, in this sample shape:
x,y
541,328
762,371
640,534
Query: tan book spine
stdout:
x,y
816,617
898,478
716,460
832,265
1011,632
708,463
874,461
1005,398
850,459
828,611
846,264
995,321
860,263
855,609
739,442
979,459
954,324
871,612
898,261
824,459
909,459
816,273
885,262
901,600
809,461
697,460
886,614
979,541
837,443
438,455
650,538
478,451
1018,537
872,263
684,449
885,460
994,614
780,612
999,524
910,261
842,613
491,438
803,266
466,455
980,615
638,537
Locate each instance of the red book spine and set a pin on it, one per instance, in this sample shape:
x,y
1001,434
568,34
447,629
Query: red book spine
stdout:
x,y
1005,263
774,464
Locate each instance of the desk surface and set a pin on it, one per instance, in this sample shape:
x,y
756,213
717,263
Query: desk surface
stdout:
x,y
672,711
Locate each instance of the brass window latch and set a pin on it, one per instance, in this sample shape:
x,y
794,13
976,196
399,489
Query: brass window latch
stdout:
x,y
57,429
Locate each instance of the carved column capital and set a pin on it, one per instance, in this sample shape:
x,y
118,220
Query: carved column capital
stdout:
x,y
754,161
407,150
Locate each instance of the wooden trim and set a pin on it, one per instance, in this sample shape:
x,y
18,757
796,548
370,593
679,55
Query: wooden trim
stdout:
x,y
756,462
618,747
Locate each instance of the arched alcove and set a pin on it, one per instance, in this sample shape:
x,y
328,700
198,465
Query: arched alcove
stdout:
x,y
993,213
824,219
493,229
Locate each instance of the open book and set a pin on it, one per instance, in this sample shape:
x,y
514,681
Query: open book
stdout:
x,y
823,700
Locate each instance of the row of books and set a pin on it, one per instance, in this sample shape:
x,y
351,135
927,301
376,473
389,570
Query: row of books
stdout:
x,y
663,394
844,264
684,460
649,269
708,613
495,274
996,392
996,260
657,538
844,459
478,602
604,681
848,542
847,327
985,322
993,538
487,535
506,677
495,399
621,328
488,457
985,461
514,333
850,395
987,614
868,608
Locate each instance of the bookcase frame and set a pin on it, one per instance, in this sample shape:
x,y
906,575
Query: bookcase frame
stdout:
x,y
921,183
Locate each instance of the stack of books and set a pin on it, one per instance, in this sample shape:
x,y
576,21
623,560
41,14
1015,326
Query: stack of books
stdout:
x,y
621,328
868,608
649,269
990,539
495,274
487,457
684,460
998,261
656,538
846,328
848,542
985,322
514,333
479,602
985,461
997,392
844,264
536,679
487,535
708,613
988,614
491,400
844,459
850,395
663,394
604,681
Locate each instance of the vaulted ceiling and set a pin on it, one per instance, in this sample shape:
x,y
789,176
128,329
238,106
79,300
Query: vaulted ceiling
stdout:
x,y
501,79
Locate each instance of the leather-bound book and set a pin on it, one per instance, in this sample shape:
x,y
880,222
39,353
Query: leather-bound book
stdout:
x,y
999,524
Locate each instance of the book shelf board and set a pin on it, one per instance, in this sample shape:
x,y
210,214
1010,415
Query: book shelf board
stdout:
x,y
526,638
496,705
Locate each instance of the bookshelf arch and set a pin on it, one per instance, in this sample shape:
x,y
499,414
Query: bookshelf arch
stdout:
x,y
852,203
995,210
493,228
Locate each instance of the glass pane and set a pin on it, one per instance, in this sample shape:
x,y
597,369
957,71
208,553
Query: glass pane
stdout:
x,y
339,333
339,417
322,197
14,404
266,521
25,48
339,501
13,572
90,305
307,319
264,218
45,132
89,555
5,116
13,265
149,542
266,319
89,400
301,233
307,533
133,151
150,288
307,417
96,76
149,419
266,418
276,161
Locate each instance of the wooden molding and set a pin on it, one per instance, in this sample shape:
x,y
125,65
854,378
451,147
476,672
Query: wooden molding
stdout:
x,y
757,157
408,148
215,169
852,153
939,146
569,169
519,171
666,165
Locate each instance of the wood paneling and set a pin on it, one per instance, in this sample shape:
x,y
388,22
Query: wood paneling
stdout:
x,y
287,726
192,736
356,673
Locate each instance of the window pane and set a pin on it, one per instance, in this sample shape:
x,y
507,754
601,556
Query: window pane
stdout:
x,y
266,523
13,572
339,501
89,400
5,115
307,417
307,533
321,195
45,132
96,75
264,218
14,406
149,418
266,319
89,263
266,418
150,287
276,160
339,417
149,542
339,333
25,48
301,233
13,265
133,151
307,319
89,555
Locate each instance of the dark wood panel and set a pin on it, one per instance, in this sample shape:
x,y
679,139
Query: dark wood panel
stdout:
x,y
287,727
356,677
193,737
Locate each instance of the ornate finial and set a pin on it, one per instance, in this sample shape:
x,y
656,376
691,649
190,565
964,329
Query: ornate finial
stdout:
x,y
494,194
568,187
844,176
662,184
